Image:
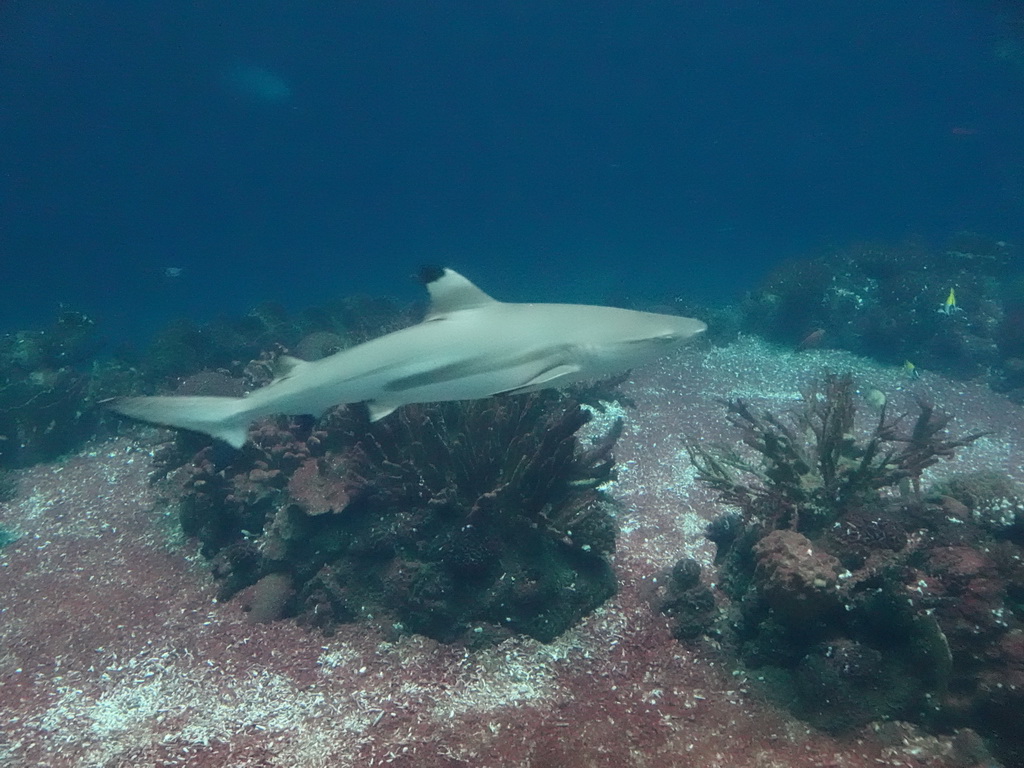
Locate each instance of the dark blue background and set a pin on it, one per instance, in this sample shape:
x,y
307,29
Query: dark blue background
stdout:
x,y
549,149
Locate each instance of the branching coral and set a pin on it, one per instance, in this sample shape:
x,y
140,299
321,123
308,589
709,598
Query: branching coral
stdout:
x,y
484,512
488,462
808,472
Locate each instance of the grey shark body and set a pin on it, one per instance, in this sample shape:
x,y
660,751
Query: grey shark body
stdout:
x,y
469,346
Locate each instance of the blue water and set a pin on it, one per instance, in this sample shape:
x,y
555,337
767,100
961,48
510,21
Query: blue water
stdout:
x,y
161,158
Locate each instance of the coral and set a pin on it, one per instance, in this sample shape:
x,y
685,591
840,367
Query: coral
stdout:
x,y
185,348
724,529
843,685
687,602
481,512
318,345
182,349
807,473
211,383
993,499
839,648
268,599
798,583
884,301
862,532
50,390
855,595
462,521
965,589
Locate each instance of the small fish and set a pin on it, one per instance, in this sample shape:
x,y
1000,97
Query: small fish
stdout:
x,y
812,340
949,305
910,369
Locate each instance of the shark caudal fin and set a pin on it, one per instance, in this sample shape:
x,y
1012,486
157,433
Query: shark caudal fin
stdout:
x,y
225,418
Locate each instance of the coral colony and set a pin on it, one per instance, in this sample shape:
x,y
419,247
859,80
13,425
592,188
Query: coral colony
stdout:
x,y
464,522
860,595
523,580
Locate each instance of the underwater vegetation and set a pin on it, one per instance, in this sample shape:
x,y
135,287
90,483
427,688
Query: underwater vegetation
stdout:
x,y
855,594
461,521
959,311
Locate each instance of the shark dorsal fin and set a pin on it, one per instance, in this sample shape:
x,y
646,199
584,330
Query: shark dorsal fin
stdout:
x,y
451,292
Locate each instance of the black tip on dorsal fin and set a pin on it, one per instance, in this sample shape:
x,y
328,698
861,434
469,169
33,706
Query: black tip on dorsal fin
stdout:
x,y
429,273
450,292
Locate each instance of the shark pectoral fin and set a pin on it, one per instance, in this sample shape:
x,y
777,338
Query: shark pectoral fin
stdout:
x,y
379,410
285,366
546,378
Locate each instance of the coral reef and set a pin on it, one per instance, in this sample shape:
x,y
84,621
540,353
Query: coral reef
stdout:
x,y
797,583
858,595
891,302
50,389
460,521
995,501
180,682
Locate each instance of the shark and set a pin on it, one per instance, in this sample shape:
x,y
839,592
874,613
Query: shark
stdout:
x,y
468,346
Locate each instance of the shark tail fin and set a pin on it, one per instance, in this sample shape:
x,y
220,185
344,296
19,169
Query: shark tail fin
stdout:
x,y
225,418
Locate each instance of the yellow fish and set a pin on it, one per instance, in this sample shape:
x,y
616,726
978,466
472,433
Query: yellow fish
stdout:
x,y
910,369
949,305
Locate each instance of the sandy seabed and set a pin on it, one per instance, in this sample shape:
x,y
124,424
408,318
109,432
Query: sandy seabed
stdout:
x,y
114,652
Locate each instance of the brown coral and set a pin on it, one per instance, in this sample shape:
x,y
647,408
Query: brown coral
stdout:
x,y
798,582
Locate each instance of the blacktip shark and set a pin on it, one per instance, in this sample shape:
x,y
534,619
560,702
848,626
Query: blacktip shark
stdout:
x,y
468,346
